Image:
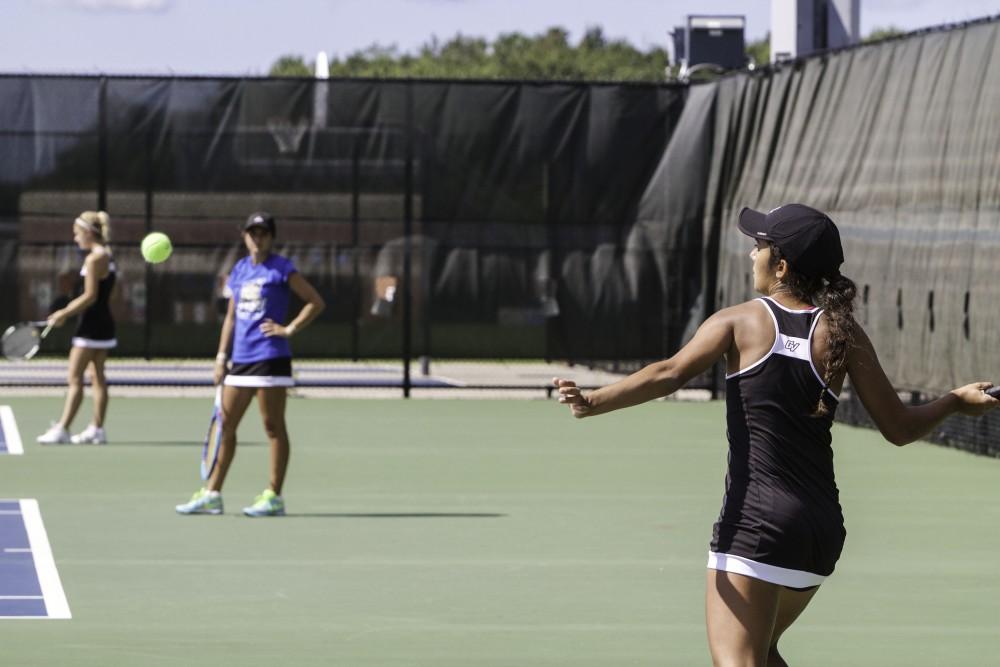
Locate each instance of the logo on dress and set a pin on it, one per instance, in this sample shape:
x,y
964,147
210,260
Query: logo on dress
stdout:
x,y
791,345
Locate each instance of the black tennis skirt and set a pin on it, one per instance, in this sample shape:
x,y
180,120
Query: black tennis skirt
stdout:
x,y
267,373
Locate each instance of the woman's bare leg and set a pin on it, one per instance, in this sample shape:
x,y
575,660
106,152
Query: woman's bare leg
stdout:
x,y
79,357
747,616
99,386
790,605
272,401
740,614
235,401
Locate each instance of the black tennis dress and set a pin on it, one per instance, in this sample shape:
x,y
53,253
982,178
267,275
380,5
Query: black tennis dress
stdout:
x,y
781,519
97,326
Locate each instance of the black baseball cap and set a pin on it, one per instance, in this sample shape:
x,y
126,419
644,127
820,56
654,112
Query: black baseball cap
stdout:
x,y
261,219
808,239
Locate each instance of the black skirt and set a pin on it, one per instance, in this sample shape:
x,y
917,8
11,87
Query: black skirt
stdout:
x,y
266,373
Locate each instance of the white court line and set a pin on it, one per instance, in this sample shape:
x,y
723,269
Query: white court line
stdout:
x,y
10,432
16,550
45,565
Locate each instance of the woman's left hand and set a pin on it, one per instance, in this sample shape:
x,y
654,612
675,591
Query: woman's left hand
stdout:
x,y
271,328
974,399
57,319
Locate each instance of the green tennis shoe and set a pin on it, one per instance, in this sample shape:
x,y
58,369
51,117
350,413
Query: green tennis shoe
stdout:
x,y
268,503
202,502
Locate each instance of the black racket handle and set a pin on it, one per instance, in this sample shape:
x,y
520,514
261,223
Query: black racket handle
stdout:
x,y
994,392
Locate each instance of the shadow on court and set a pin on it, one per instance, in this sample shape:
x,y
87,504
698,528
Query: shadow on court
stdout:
x,y
173,443
385,515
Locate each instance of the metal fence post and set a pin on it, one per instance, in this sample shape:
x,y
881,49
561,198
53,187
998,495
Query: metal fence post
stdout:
x,y
148,325
355,250
407,242
102,144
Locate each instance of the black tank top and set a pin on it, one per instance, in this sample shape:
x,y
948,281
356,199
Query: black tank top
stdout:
x,y
96,322
782,504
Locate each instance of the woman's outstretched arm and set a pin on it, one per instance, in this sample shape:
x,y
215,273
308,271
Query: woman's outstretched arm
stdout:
x,y
713,339
899,423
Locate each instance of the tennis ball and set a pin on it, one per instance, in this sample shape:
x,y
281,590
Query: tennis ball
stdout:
x,y
156,247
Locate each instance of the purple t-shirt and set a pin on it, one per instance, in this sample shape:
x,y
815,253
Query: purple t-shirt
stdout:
x,y
260,292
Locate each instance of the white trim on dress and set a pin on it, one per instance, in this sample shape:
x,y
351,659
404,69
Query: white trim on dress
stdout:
x,y
94,344
259,381
774,345
811,364
773,574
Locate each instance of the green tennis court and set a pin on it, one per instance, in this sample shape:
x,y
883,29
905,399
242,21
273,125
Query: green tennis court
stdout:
x,y
477,532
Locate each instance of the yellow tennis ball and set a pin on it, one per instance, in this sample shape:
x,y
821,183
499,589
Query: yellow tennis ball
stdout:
x,y
156,247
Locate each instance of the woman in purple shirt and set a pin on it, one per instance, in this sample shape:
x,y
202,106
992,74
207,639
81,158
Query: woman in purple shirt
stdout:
x,y
260,285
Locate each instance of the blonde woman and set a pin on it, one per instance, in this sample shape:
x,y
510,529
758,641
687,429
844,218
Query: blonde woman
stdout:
x,y
95,334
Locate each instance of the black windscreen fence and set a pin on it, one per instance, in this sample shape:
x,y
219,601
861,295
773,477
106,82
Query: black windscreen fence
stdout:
x,y
448,219
900,143
555,221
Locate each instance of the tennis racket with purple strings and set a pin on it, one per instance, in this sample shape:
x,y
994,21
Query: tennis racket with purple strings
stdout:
x,y
213,439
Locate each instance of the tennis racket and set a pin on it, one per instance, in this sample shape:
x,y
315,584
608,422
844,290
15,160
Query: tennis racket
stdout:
x,y
22,340
213,439
994,392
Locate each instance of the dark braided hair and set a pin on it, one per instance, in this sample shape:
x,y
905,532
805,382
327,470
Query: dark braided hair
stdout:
x,y
835,295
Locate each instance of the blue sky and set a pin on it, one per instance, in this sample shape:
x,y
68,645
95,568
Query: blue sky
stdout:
x,y
245,36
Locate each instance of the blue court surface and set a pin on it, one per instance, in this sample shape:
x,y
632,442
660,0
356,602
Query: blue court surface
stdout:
x,y
10,437
29,583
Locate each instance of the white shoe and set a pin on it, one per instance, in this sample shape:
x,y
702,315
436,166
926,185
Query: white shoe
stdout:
x,y
92,435
56,435
202,502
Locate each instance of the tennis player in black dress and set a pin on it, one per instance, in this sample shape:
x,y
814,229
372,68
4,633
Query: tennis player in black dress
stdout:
x,y
95,334
780,530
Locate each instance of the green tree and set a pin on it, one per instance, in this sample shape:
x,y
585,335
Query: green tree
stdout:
x,y
376,61
883,33
759,50
289,65
549,55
